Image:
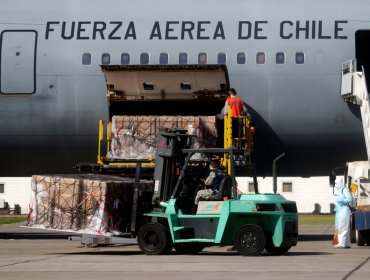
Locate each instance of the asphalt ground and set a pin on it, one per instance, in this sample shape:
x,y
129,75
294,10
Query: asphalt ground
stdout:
x,y
39,254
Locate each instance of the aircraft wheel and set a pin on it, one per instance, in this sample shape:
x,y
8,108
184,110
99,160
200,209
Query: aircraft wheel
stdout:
x,y
188,248
249,240
360,237
277,251
154,239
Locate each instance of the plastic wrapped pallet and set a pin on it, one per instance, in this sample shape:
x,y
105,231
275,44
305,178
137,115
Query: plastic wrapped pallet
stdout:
x,y
135,137
84,203
42,201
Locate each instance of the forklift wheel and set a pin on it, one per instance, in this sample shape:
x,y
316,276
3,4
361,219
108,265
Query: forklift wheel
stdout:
x,y
188,248
154,239
360,237
368,237
249,240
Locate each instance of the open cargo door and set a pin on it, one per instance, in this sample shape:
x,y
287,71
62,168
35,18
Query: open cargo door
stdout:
x,y
166,89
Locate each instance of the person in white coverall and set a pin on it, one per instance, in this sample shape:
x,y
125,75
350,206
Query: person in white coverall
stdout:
x,y
343,217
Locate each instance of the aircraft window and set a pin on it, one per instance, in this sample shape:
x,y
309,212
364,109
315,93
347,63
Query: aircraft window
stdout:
x,y
125,58
2,188
183,58
105,58
202,58
221,58
185,86
163,58
287,187
86,59
299,58
261,58
241,58
280,58
148,86
144,58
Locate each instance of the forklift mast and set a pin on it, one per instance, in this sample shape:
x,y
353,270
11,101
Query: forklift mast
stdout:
x,y
169,161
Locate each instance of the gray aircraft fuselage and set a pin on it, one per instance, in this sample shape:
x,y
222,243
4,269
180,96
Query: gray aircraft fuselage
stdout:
x,y
283,58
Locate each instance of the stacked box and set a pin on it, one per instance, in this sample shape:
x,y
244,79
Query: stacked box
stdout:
x,y
85,203
135,137
42,200
67,197
106,204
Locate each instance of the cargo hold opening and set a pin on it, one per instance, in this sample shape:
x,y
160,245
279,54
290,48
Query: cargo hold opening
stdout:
x,y
167,107
362,51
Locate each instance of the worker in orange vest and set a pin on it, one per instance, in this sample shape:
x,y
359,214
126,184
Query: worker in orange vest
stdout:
x,y
238,109
236,104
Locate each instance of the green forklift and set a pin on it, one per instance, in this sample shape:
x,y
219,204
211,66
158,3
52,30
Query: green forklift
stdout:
x,y
251,223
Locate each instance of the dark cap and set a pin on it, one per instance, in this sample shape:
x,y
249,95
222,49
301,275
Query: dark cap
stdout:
x,y
215,158
232,90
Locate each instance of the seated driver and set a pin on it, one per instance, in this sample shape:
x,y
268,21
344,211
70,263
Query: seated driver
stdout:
x,y
213,181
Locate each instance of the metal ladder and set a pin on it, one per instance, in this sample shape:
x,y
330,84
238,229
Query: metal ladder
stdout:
x,y
354,90
243,143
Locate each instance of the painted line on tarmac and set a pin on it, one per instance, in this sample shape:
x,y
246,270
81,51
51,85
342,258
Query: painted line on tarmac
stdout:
x,y
357,268
29,261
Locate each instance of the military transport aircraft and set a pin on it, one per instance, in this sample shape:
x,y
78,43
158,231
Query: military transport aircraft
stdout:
x,y
283,58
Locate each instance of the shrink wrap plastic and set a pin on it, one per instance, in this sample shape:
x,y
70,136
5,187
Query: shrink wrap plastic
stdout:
x,y
135,137
94,204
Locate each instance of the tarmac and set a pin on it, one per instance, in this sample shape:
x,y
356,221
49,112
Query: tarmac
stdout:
x,y
38,254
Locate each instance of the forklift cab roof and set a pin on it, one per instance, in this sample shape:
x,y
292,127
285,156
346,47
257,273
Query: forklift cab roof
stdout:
x,y
165,82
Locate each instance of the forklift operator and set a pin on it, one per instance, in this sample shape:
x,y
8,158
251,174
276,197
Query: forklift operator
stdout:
x,y
213,180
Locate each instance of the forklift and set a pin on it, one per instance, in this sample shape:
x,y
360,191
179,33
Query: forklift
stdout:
x,y
249,222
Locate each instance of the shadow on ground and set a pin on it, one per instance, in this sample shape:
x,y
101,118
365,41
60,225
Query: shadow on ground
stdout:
x,y
35,236
315,237
202,254
53,235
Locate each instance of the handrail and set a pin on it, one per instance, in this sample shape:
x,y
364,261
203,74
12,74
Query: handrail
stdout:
x,y
100,139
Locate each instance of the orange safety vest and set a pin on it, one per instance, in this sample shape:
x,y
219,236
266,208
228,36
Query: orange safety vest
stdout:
x,y
236,105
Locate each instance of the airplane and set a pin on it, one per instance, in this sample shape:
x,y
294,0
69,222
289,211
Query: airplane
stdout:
x,y
283,58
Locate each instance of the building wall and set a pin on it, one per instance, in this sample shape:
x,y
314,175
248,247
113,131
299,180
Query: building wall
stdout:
x,y
17,191
311,194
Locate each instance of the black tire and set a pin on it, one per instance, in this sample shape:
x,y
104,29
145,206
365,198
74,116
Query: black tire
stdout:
x,y
154,239
360,237
353,230
188,248
277,251
249,240
368,237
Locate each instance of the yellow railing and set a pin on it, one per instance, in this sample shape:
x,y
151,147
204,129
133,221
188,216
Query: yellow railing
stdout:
x,y
244,141
100,140
107,138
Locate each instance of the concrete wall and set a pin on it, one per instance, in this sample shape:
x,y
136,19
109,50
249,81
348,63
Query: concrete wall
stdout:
x,y
17,191
311,194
